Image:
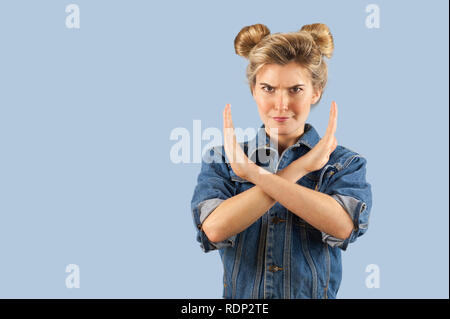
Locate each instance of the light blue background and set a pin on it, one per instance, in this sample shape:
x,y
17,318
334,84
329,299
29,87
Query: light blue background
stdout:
x,y
86,115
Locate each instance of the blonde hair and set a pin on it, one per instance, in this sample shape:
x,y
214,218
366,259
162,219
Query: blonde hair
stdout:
x,y
307,47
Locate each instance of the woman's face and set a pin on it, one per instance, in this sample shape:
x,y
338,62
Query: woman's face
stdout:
x,y
284,91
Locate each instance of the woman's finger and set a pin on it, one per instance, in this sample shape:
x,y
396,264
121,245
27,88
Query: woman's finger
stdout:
x,y
229,135
330,122
230,119
335,114
226,116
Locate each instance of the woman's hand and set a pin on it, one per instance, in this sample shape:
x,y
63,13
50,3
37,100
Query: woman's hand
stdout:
x,y
239,162
319,155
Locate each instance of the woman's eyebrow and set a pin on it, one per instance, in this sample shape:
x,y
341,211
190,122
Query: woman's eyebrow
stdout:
x,y
300,84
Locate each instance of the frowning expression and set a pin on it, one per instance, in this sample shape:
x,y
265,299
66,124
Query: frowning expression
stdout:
x,y
284,94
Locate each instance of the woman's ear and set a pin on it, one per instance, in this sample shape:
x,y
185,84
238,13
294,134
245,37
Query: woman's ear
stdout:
x,y
316,96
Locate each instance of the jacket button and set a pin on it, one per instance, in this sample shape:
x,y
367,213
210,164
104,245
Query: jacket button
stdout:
x,y
274,268
277,220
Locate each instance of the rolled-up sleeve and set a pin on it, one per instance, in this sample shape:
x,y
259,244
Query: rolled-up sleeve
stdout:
x,y
351,190
213,187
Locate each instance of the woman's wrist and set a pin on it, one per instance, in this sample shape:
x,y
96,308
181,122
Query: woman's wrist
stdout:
x,y
293,172
254,172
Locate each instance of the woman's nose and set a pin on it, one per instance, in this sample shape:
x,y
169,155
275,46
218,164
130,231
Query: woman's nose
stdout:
x,y
282,102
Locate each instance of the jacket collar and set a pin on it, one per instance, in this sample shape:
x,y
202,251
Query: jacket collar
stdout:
x,y
309,138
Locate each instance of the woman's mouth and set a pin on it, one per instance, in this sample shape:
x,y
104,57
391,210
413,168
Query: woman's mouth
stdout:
x,y
281,119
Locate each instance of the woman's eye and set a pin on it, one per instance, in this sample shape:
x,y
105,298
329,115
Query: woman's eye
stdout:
x,y
270,89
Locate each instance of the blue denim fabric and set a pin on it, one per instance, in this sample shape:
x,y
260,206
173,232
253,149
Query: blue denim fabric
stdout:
x,y
280,255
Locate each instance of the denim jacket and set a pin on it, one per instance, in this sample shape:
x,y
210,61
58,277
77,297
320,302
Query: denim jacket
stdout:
x,y
281,255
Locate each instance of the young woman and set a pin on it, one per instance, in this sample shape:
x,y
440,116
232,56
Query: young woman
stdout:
x,y
281,212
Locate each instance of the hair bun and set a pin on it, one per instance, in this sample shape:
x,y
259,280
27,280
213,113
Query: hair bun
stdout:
x,y
322,37
248,37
